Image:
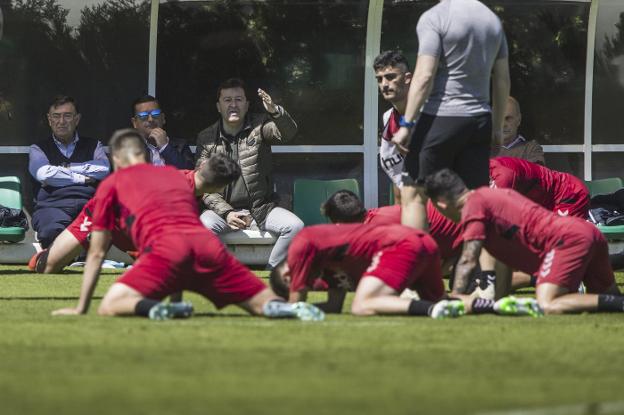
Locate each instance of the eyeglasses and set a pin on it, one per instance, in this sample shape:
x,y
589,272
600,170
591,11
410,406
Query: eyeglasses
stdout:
x,y
66,116
144,114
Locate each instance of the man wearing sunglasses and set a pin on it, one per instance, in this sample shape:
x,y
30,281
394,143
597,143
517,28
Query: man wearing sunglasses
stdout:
x,y
149,119
65,168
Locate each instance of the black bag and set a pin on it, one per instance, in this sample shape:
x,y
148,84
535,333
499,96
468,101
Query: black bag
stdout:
x,y
10,218
606,217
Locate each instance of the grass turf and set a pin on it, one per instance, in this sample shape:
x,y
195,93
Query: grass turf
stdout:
x,y
229,363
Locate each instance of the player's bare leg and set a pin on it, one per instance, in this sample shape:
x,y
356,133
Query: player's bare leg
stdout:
x,y
413,207
255,305
520,279
267,303
63,250
120,300
555,299
373,296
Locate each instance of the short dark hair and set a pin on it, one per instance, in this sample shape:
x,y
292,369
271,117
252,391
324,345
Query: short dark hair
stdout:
x,y
444,183
344,206
390,58
141,100
277,282
231,83
127,140
219,170
59,100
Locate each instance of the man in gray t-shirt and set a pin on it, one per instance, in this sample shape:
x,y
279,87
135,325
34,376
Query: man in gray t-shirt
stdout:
x,y
462,48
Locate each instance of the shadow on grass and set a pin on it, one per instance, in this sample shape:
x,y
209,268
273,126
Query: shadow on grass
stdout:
x,y
9,272
39,298
220,315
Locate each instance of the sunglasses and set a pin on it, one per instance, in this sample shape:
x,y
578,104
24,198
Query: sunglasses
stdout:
x,y
144,114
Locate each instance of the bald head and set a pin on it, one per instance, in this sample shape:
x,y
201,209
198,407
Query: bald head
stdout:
x,y
513,117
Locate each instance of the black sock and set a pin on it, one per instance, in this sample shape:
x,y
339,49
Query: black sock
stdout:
x,y
487,278
533,281
482,306
419,308
610,303
144,306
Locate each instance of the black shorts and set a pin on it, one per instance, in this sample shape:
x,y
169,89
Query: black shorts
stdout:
x,y
461,144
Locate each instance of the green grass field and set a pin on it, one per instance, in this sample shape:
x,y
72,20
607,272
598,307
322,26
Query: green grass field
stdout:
x,y
229,363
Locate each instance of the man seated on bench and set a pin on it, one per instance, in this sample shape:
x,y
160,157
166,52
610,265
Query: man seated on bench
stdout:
x,y
247,138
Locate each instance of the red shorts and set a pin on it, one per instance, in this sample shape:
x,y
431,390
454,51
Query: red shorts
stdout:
x,y
195,262
411,263
574,201
581,256
81,229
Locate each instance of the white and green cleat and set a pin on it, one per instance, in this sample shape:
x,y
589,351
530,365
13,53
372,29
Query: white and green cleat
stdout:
x,y
167,311
307,312
513,306
448,309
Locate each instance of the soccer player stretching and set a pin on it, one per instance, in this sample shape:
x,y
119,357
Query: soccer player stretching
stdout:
x,y
377,262
75,237
176,251
563,251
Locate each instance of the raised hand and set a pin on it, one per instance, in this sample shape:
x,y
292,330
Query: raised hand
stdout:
x,y
267,101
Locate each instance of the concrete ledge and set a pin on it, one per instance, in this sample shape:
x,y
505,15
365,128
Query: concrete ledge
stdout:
x,y
248,237
21,252
251,247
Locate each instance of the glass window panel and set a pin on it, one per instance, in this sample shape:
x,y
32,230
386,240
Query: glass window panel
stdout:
x,y
548,43
96,51
289,167
566,162
605,165
608,99
308,55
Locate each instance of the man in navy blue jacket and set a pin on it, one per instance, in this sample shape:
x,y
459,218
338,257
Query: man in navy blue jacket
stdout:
x,y
149,119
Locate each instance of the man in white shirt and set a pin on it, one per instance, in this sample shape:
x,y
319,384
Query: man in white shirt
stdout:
x,y
393,78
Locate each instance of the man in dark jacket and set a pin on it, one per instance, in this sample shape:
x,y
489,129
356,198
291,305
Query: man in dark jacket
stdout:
x,y
65,168
149,119
247,138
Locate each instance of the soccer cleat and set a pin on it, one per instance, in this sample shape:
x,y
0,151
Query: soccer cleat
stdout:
x,y
166,311
307,312
512,306
447,309
38,261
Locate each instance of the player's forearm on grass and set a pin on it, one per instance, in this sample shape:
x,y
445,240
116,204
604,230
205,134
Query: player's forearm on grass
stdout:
x,y
466,265
335,300
97,251
421,85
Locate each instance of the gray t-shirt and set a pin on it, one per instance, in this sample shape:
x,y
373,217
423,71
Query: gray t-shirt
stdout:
x,y
468,38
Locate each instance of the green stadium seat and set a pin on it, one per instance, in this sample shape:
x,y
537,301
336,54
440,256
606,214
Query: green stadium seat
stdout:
x,y
310,194
604,186
11,197
612,233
